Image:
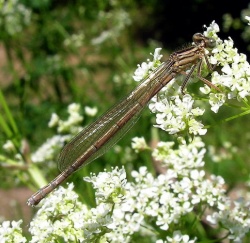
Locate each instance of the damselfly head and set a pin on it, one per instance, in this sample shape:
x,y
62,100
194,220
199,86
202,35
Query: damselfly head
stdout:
x,y
199,38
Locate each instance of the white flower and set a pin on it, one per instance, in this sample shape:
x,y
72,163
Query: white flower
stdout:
x,y
121,20
49,150
176,115
162,150
54,120
75,40
72,108
211,30
11,232
248,19
216,101
234,77
139,144
157,55
90,111
69,220
14,16
145,69
235,219
72,124
179,238
184,158
109,185
9,146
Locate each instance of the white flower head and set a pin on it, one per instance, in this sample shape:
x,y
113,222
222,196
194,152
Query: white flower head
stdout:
x,y
49,150
121,19
72,123
69,220
187,156
235,218
211,30
177,115
90,111
139,144
216,101
75,40
248,19
11,232
15,15
9,146
54,120
178,237
146,68
109,185
233,80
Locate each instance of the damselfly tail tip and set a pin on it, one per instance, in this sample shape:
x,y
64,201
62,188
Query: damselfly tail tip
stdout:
x,y
32,202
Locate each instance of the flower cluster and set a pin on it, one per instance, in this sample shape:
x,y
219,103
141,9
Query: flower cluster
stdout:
x,y
109,186
71,125
248,19
139,144
54,220
11,232
73,220
173,114
177,115
236,219
234,77
127,209
90,111
74,40
189,155
14,16
49,150
218,155
178,237
146,68
120,19
9,146
167,199
54,63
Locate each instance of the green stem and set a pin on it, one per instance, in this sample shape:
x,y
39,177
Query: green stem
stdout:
x,y
36,176
231,118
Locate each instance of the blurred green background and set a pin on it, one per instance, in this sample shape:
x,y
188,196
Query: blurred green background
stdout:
x,y
53,53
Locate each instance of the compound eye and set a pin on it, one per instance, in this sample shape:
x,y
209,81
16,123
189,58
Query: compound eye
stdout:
x,y
211,43
200,38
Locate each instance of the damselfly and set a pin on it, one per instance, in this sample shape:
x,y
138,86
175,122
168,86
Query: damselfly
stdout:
x,y
98,137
